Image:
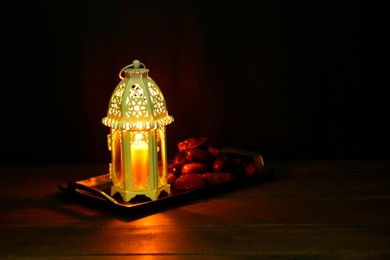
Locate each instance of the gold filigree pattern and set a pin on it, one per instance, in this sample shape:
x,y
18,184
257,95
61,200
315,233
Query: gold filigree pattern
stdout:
x,y
157,100
116,100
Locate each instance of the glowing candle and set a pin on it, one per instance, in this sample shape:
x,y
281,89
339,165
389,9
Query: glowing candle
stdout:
x,y
140,162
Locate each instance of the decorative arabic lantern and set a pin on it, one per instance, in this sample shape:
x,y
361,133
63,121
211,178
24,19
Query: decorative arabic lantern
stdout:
x,y
137,116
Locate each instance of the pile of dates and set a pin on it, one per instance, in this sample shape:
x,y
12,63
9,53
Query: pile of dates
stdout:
x,y
198,164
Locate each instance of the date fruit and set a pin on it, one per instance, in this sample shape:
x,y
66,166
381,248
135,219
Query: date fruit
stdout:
x,y
214,151
218,178
171,178
179,160
219,164
173,169
250,169
200,156
194,168
192,143
189,181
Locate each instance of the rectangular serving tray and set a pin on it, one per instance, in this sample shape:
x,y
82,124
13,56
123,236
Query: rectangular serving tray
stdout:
x,y
97,189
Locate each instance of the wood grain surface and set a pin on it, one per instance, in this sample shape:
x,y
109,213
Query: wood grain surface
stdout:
x,y
319,209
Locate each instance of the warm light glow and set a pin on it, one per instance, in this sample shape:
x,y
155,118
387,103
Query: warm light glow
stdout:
x,y
137,115
116,165
139,137
140,162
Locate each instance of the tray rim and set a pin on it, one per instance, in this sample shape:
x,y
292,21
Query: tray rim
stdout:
x,y
90,192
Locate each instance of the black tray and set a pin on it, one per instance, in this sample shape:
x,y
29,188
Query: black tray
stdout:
x,y
97,189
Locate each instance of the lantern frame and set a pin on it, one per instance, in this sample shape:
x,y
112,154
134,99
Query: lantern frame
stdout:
x,y
137,116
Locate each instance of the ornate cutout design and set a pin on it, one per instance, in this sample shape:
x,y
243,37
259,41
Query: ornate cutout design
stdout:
x,y
116,100
136,103
157,100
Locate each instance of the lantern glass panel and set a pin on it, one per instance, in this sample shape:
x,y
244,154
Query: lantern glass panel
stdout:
x,y
161,155
140,161
116,151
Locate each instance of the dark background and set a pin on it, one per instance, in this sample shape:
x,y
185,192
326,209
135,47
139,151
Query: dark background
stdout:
x,y
290,79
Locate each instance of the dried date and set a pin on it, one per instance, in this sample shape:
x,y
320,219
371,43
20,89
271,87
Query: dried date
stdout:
x,y
173,169
200,156
179,160
189,181
193,143
171,178
218,178
219,164
214,151
250,169
194,168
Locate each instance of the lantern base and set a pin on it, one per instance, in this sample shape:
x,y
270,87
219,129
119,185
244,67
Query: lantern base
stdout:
x,y
152,194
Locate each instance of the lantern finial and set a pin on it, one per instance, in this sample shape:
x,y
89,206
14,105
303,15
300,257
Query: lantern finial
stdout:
x,y
136,64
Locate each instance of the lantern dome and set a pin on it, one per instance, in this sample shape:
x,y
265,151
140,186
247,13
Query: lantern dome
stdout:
x,y
137,103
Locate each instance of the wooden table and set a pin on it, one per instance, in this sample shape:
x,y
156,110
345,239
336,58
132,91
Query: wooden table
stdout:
x,y
322,209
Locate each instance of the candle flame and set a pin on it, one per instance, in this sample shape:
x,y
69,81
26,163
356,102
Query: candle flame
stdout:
x,y
139,137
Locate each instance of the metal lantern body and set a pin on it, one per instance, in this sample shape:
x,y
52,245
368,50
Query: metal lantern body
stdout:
x,y
137,116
